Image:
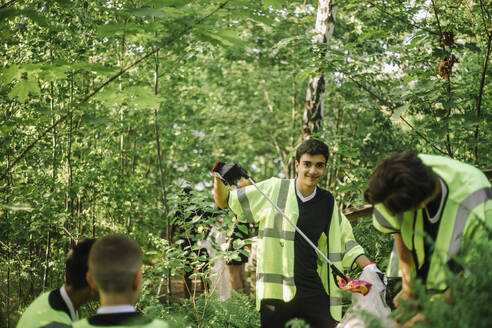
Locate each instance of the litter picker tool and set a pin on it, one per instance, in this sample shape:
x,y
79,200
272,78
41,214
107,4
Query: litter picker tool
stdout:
x,y
230,173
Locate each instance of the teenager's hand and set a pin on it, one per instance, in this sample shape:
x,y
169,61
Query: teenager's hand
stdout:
x,y
229,173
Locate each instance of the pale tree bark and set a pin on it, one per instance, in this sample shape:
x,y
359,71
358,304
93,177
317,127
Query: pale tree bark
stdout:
x,y
313,110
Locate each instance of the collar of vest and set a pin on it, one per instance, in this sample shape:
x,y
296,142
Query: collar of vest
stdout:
x,y
124,318
57,303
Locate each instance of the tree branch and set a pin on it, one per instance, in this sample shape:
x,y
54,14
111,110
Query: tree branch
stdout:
x,y
7,4
480,93
401,19
384,102
90,95
437,17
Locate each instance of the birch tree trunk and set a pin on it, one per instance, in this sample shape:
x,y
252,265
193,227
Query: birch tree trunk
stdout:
x,y
313,110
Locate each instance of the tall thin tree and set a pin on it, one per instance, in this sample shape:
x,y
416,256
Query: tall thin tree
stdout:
x,y
314,106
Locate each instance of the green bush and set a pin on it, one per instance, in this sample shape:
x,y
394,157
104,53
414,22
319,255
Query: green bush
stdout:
x,y
467,302
205,311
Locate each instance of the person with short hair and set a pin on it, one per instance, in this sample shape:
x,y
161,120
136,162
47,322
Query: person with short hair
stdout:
x,y
61,305
432,205
292,280
115,272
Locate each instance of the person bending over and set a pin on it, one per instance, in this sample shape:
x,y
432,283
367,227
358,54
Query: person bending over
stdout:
x,y
433,205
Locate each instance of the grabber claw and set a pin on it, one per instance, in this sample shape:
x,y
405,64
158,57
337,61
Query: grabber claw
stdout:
x,y
345,283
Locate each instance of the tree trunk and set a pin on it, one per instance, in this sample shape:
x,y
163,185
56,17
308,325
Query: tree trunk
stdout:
x,y
293,102
47,259
313,109
161,174
7,242
480,93
53,182
120,88
69,152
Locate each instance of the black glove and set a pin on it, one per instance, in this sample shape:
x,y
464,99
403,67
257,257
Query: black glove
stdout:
x,y
229,173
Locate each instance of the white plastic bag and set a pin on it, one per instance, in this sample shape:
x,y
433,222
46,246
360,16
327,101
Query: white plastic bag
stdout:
x,y
371,304
219,275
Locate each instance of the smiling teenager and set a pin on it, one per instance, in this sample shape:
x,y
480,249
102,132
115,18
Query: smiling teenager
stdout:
x,y
292,280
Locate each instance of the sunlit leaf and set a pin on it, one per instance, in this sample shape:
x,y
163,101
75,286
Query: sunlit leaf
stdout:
x,y
150,12
22,89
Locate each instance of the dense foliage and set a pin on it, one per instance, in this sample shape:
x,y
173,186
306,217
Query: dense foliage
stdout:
x,y
109,108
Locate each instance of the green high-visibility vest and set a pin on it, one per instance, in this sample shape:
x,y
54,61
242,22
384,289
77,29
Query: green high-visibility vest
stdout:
x,y
144,323
468,205
40,313
275,249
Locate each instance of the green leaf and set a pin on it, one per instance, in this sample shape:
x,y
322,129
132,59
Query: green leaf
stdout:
x,y
94,68
144,12
225,37
399,112
11,73
65,3
36,17
54,72
22,89
9,13
273,3
303,76
111,29
243,228
166,3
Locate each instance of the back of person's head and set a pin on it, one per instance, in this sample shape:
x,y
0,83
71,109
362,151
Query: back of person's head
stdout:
x,y
114,261
401,182
312,147
76,265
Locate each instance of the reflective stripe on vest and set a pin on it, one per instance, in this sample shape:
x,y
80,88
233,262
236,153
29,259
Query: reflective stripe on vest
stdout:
x,y
335,257
466,206
334,301
384,223
276,231
349,245
275,279
243,200
57,325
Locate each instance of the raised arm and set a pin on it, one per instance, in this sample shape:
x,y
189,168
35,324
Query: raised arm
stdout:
x,y
221,193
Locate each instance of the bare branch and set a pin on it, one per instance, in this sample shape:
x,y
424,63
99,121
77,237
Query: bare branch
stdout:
x,y
480,93
437,17
383,101
7,4
404,21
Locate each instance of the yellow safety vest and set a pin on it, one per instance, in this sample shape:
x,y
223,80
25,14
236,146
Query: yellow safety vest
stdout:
x,y
468,204
275,249
40,313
